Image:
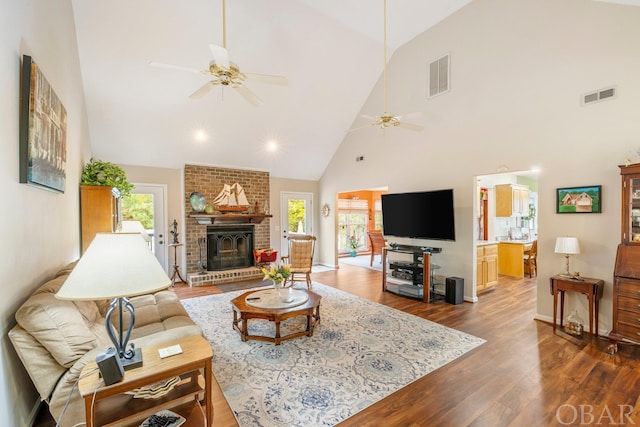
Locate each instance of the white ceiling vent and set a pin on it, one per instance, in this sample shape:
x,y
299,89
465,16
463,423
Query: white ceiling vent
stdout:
x,y
439,76
598,95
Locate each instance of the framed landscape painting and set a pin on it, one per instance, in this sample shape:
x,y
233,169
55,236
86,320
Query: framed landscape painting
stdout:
x,y
43,131
579,199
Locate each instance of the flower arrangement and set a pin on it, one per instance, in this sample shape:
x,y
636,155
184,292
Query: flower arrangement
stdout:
x,y
278,273
354,242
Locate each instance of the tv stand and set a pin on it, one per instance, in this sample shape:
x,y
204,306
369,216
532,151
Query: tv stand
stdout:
x,y
408,278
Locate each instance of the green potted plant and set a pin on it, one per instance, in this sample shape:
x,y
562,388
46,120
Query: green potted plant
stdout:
x,y
98,172
354,244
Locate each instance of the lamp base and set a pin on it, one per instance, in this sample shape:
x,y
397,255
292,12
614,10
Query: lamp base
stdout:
x,y
134,362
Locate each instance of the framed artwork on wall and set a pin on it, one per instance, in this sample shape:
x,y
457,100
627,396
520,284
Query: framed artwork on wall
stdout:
x,y
579,199
43,131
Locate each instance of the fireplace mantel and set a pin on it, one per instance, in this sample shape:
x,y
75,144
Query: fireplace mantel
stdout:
x,y
230,218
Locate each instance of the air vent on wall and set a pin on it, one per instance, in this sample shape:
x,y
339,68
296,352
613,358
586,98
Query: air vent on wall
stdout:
x,y
439,76
598,95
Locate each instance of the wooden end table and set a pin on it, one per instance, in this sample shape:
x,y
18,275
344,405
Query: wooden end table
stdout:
x,y
592,288
242,312
109,405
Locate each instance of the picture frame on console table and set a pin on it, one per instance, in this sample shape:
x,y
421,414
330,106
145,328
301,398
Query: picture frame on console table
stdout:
x,y
587,199
43,131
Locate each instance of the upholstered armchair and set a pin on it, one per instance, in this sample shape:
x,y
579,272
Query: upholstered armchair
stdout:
x,y
300,258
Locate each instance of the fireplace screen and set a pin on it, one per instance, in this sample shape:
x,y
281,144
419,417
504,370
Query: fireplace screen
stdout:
x,y
229,247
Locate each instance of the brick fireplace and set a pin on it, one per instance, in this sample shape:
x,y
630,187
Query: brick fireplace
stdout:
x,y
209,181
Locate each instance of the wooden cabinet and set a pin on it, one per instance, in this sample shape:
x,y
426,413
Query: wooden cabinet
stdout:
x,y
626,280
99,212
512,200
487,267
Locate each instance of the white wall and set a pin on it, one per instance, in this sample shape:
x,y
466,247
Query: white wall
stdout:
x,y
40,228
518,69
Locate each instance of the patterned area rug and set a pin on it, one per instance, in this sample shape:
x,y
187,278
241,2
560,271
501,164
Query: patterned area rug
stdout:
x,y
359,353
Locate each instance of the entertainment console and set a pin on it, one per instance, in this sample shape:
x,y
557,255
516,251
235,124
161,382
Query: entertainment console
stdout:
x,y
408,277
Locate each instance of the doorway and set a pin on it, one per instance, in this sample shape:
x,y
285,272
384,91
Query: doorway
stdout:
x,y
505,225
146,204
358,212
296,216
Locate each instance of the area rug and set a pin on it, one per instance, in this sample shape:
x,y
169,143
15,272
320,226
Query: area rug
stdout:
x,y
359,353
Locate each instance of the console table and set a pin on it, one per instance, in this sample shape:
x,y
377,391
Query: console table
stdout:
x,y
592,288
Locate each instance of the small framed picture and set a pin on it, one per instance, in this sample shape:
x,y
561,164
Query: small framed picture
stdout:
x,y
579,199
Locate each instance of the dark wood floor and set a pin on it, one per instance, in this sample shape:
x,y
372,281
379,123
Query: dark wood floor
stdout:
x,y
523,375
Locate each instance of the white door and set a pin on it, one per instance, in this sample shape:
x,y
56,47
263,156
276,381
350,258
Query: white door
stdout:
x,y
147,205
296,216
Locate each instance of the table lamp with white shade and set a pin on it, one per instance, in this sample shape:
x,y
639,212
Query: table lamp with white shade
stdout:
x,y
567,246
116,266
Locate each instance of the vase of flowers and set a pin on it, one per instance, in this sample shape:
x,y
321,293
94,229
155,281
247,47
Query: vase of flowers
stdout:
x,y
278,274
354,244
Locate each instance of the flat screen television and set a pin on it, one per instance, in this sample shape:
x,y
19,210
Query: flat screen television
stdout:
x,y
420,215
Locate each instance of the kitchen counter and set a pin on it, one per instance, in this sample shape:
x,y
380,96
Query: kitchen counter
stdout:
x,y
511,257
486,242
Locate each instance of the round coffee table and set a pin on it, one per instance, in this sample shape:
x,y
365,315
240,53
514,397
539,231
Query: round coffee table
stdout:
x,y
304,303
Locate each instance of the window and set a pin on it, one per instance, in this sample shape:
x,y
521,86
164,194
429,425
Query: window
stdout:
x,y
377,212
352,221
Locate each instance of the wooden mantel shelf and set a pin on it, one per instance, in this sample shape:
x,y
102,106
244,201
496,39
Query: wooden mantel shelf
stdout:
x,y
230,218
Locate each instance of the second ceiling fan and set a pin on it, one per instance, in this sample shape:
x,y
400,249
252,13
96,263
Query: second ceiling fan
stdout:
x,y
386,120
225,72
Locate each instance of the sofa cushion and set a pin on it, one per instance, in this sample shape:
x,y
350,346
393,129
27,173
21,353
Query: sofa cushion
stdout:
x,y
58,325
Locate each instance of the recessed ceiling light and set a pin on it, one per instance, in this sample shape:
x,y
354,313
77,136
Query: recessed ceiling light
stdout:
x,y
272,145
200,135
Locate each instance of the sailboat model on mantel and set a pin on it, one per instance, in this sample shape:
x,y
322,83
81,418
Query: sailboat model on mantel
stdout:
x,y
232,199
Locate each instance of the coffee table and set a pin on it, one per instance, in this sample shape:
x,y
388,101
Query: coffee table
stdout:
x,y
275,312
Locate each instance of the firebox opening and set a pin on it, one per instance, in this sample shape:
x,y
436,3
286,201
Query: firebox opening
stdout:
x,y
229,247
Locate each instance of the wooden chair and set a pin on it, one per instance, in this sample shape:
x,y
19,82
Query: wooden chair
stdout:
x,y
377,242
531,260
300,258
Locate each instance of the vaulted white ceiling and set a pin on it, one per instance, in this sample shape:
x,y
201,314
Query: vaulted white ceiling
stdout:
x,y
331,51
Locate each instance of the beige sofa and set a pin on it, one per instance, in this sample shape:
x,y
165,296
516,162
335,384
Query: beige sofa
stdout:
x,y
55,338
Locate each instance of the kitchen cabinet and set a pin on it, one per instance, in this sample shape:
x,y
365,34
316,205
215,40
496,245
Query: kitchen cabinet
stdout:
x,y
99,212
487,267
511,258
512,200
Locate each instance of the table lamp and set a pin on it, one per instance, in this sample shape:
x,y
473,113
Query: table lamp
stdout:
x,y
567,246
116,266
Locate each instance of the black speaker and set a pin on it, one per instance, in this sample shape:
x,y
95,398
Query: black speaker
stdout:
x,y
110,366
454,290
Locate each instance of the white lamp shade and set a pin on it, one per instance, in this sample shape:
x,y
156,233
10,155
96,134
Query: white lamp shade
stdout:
x,y
135,227
115,265
567,245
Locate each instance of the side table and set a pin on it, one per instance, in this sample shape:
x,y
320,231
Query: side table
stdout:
x,y
176,269
110,405
592,288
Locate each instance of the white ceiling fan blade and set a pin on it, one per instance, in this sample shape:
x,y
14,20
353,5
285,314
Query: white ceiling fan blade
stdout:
x,y
204,89
409,116
411,126
248,95
364,116
267,78
360,127
175,67
220,55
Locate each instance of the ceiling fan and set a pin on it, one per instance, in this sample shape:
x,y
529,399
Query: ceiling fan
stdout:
x,y
387,120
225,72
